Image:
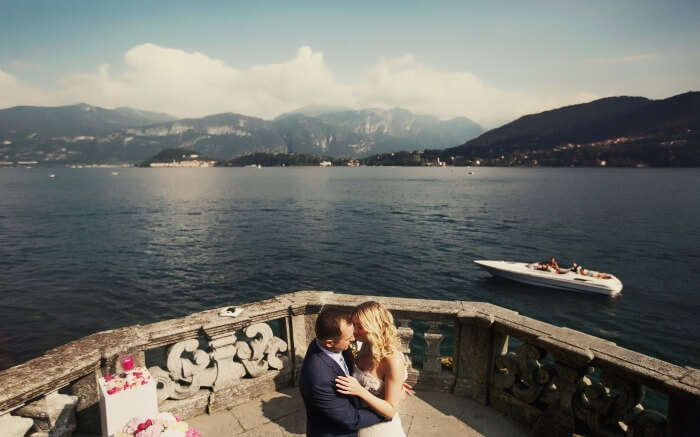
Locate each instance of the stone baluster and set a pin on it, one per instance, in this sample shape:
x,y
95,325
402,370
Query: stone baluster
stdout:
x,y
433,339
228,372
406,335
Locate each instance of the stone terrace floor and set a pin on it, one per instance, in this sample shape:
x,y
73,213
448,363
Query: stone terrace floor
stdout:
x,y
426,414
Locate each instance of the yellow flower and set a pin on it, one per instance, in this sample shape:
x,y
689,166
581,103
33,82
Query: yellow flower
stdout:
x,y
447,361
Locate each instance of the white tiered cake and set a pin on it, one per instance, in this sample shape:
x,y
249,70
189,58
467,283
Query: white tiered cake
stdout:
x,y
125,396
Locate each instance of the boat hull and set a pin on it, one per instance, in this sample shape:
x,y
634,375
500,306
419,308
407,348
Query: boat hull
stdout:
x,y
569,281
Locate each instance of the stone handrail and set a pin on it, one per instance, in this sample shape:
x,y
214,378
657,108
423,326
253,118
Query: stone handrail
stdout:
x,y
556,380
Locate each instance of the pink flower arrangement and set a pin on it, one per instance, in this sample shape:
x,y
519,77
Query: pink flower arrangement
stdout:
x,y
163,425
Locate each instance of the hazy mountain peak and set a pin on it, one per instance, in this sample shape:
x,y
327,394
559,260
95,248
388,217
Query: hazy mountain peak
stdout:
x,y
85,106
86,132
315,110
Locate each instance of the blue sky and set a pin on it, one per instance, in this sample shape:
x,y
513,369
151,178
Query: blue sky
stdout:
x,y
489,61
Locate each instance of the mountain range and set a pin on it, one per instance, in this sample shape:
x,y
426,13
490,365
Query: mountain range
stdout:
x,y
88,134
614,131
617,131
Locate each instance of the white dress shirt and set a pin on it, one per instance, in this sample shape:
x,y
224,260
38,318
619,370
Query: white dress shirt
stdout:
x,y
337,357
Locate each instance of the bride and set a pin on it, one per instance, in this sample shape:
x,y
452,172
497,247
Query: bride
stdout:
x,y
380,368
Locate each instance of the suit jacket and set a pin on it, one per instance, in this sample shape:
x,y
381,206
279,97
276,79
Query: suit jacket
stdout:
x,y
329,413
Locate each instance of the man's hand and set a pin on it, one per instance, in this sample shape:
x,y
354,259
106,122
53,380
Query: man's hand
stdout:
x,y
348,385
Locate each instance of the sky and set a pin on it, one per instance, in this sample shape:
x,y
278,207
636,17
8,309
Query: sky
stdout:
x,y
491,61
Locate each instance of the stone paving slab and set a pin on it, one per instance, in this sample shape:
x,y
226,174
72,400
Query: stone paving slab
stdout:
x,y
282,414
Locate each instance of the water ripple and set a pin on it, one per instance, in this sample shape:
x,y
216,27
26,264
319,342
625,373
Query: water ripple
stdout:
x,y
92,255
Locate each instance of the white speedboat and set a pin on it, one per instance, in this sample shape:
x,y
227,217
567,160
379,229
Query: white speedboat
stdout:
x,y
568,280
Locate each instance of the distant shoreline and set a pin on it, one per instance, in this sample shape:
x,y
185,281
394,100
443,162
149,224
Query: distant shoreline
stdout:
x,y
112,166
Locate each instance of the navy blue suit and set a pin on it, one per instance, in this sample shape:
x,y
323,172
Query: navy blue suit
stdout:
x,y
329,413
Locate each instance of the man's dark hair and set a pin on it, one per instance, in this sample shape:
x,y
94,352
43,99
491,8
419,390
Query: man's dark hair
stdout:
x,y
328,323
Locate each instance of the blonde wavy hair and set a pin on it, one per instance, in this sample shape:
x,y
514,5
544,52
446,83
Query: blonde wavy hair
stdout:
x,y
381,331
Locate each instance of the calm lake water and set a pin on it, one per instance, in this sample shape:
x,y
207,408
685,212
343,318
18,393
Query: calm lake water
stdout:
x,y
89,251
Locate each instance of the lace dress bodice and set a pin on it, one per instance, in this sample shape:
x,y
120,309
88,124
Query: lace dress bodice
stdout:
x,y
371,383
368,381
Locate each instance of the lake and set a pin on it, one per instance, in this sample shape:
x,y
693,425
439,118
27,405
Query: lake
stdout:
x,y
88,251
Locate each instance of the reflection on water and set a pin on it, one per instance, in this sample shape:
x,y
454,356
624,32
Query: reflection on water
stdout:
x,y
88,251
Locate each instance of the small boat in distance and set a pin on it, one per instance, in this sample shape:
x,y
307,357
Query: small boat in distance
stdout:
x,y
563,279
52,175
115,173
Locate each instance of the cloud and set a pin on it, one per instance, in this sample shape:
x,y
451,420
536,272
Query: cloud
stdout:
x,y
625,59
405,82
14,92
23,65
192,84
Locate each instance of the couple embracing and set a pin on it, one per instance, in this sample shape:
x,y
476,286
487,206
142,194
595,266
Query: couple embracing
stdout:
x,y
348,395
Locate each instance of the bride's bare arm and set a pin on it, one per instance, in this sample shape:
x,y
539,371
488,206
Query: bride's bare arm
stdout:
x,y
393,387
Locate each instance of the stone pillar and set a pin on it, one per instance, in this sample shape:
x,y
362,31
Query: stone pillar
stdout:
x,y
53,415
433,339
474,355
15,426
303,331
88,408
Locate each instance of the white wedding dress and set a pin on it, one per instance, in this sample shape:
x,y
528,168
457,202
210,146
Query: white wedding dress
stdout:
x,y
376,387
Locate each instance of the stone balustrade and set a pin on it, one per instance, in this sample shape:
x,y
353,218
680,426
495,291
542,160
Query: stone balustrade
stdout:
x,y
555,380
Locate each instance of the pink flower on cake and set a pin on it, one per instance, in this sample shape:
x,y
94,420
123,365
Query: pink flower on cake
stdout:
x,y
132,425
151,431
192,433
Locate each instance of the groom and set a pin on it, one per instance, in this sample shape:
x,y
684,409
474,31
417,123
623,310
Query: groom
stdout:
x,y
329,413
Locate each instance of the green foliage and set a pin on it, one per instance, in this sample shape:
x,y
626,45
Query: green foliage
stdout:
x,y
276,160
175,155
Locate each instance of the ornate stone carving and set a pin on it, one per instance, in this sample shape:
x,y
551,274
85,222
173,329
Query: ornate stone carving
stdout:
x,y
227,360
612,406
524,375
262,351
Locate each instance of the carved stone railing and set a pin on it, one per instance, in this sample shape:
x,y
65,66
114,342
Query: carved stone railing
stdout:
x,y
555,380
